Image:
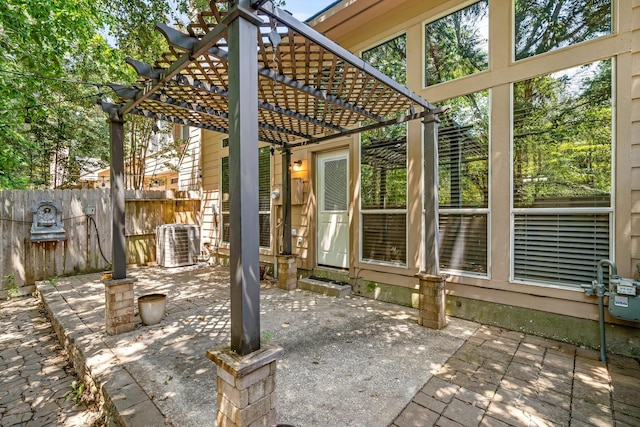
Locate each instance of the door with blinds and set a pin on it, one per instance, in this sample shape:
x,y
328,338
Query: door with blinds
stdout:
x,y
333,209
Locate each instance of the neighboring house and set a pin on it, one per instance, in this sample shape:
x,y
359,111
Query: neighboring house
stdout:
x,y
539,163
168,166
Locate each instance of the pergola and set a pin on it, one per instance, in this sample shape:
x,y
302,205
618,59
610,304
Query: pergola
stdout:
x,y
251,70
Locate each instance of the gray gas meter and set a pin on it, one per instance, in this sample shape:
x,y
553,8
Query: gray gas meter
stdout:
x,y
624,298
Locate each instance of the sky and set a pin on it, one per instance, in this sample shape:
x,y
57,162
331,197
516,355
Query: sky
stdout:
x,y
303,9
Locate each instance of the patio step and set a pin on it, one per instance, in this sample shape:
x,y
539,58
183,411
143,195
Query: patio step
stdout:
x,y
324,287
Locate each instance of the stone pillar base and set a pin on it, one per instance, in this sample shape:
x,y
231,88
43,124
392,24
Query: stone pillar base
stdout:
x,y
432,308
118,295
246,386
287,272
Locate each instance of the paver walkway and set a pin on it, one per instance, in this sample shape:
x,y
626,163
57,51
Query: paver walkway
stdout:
x,y
342,356
35,376
506,378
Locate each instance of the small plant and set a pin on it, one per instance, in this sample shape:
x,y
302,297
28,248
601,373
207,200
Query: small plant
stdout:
x,y
371,286
77,389
53,280
12,287
267,336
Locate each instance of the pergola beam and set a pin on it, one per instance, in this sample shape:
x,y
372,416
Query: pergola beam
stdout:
x,y
187,58
314,36
402,119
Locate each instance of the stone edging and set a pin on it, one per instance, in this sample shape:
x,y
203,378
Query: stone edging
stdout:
x,y
125,402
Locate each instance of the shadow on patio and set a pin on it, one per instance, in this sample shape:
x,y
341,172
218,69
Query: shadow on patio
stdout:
x,y
348,361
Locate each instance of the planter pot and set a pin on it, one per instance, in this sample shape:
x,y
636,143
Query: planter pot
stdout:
x,y
151,308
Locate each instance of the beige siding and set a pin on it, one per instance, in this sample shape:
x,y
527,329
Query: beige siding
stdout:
x,y
211,143
189,164
634,183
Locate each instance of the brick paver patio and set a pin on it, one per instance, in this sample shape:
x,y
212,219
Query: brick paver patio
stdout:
x,y
507,378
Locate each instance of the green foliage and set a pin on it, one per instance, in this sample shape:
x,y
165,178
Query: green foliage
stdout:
x,y
55,57
77,391
11,286
267,336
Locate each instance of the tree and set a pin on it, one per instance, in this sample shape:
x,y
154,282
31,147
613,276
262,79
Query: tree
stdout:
x,y
54,62
545,25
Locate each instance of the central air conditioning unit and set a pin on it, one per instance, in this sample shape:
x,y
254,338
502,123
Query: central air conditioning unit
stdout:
x,y
177,245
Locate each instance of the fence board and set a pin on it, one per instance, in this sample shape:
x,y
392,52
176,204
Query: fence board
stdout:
x,y
29,262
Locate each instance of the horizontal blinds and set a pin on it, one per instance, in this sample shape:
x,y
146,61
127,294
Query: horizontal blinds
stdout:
x,y
384,237
561,249
463,242
264,197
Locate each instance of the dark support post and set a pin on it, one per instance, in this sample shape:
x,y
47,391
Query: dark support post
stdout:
x,y
286,202
118,251
243,185
432,236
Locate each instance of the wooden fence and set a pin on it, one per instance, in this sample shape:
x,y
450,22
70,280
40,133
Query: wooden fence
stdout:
x,y
87,247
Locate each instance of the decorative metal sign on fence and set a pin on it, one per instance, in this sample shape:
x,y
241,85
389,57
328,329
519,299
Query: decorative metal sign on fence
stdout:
x,y
47,222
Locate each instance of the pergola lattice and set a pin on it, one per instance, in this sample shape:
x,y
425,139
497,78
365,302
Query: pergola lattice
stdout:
x,y
249,69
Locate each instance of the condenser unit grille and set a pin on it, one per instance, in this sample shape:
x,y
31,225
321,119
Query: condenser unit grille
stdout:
x,y
177,244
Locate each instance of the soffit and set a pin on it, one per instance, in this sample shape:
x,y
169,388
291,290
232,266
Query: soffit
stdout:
x,y
309,88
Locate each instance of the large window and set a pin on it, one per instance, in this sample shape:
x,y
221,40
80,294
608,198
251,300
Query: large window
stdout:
x,y
545,25
562,157
264,195
383,172
457,45
463,190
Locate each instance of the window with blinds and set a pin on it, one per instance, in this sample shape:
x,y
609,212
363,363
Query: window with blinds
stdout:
x,y
562,175
264,197
463,188
335,186
561,249
383,171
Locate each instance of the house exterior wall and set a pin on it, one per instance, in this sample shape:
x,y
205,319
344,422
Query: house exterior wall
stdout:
x,y
553,311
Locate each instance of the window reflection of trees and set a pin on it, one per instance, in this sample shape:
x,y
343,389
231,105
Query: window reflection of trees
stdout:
x,y
545,25
457,45
463,159
383,170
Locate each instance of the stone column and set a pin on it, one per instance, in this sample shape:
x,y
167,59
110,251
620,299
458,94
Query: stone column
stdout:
x,y
432,310
246,386
287,272
118,295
